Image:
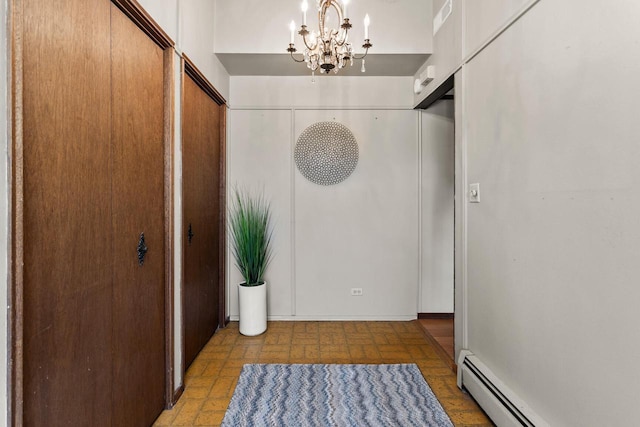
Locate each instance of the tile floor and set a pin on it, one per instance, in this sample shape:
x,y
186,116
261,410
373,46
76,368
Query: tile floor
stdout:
x,y
211,379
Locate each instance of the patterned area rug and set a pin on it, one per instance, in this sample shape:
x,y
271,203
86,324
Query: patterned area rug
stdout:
x,y
333,395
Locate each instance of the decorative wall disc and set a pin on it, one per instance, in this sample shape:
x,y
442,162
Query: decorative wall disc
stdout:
x,y
326,153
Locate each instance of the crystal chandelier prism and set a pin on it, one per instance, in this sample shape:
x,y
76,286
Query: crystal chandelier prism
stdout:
x,y
328,48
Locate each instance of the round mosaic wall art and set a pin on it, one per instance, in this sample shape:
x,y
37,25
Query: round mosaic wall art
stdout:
x,y
326,153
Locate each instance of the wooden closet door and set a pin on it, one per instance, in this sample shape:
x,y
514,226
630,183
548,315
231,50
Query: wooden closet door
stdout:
x,y
138,207
67,213
201,204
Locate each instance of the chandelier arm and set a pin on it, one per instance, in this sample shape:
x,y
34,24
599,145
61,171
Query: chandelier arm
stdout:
x,y
296,60
344,39
361,57
304,39
367,44
343,24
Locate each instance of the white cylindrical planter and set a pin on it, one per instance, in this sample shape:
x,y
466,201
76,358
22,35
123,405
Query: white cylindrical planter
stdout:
x,y
253,309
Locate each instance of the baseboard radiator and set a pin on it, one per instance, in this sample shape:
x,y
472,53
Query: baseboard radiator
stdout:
x,y
500,403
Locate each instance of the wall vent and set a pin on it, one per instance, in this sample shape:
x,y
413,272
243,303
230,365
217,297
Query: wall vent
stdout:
x,y
442,15
501,404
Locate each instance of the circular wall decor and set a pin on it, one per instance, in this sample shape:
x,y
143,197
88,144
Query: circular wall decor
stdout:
x,y
326,153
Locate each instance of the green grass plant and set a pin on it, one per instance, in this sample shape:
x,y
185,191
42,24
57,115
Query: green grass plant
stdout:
x,y
251,235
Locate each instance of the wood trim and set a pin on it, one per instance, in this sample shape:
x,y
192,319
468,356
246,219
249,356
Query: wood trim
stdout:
x,y
192,71
451,364
188,68
222,244
16,164
441,90
177,393
134,11
201,81
435,315
169,177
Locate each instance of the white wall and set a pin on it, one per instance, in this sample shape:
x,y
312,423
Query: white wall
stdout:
x,y
259,159
326,92
483,19
165,13
550,132
189,23
196,40
437,208
471,25
4,211
447,48
362,232
177,227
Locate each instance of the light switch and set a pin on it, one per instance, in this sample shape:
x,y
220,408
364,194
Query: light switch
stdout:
x,y
474,193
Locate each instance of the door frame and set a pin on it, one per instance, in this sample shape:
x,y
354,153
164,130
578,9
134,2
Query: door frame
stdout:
x,y
133,10
189,69
441,93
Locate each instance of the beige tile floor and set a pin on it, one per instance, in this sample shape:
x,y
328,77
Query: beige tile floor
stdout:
x,y
211,379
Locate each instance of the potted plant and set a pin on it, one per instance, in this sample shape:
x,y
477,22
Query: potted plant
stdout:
x,y
251,232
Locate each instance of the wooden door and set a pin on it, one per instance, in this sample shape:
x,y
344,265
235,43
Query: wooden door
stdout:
x,y
66,353
138,208
202,210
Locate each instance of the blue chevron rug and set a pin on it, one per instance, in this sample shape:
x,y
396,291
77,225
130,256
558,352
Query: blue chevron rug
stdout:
x,y
333,395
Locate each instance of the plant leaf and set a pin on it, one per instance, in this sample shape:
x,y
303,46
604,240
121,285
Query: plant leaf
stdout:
x,y
251,234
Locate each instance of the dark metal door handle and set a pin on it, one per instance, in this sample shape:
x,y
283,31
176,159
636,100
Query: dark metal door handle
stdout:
x,y
142,249
190,234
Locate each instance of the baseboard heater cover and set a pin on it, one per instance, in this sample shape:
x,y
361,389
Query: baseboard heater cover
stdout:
x,y
501,404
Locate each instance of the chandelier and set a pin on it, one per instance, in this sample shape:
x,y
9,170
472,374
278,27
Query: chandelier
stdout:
x,y
328,48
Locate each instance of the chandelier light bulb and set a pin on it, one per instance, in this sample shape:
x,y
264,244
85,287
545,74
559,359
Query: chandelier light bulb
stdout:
x,y
344,8
367,21
292,27
305,6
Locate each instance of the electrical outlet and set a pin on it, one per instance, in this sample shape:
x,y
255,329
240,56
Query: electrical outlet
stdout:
x,y
356,292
